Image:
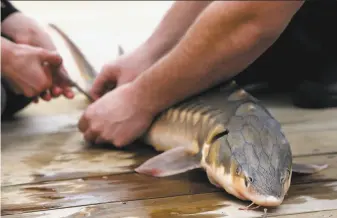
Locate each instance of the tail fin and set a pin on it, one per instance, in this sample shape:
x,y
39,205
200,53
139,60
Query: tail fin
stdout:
x,y
87,71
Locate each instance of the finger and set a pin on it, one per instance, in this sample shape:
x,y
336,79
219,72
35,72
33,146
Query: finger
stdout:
x,y
56,91
48,76
46,95
90,136
83,124
36,100
68,93
107,76
100,140
52,57
60,77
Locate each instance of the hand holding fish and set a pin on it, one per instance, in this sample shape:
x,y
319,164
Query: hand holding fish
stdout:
x,y
25,30
119,117
123,70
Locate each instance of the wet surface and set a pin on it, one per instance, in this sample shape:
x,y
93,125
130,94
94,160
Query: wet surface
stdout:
x,y
97,187
66,156
93,190
200,212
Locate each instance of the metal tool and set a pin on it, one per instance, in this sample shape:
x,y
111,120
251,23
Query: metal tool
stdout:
x,y
74,84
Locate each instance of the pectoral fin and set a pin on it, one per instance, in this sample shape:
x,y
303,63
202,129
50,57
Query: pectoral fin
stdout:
x,y
307,168
168,163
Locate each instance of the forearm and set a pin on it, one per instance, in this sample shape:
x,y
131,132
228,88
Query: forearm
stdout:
x,y
7,48
26,30
173,26
227,35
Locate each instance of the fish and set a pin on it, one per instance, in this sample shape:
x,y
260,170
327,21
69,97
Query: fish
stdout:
x,y
229,134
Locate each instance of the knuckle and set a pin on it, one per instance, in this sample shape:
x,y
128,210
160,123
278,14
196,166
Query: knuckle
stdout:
x,y
86,115
95,128
29,93
119,142
106,137
89,113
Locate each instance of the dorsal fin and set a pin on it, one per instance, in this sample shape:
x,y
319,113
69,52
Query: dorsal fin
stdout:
x,y
120,50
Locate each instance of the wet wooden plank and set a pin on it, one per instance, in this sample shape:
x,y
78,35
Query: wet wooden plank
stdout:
x,y
87,212
66,156
312,143
128,187
320,214
94,190
301,199
39,125
329,174
57,106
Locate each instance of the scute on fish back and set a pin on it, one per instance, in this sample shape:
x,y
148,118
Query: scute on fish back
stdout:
x,y
228,133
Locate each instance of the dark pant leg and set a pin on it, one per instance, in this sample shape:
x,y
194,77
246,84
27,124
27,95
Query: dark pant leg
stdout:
x,y
11,102
317,34
303,60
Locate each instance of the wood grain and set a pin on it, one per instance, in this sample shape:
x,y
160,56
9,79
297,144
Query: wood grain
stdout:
x,y
65,155
127,187
78,212
301,199
320,214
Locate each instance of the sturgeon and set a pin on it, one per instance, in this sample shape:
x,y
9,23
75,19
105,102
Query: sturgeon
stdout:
x,y
226,132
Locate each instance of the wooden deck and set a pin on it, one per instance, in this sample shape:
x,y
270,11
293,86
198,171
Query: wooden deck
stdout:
x,y
47,171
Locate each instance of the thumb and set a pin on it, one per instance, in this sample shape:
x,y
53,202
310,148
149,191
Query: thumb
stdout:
x,y
52,57
105,81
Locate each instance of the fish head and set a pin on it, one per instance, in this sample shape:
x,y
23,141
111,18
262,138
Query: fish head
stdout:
x,y
252,159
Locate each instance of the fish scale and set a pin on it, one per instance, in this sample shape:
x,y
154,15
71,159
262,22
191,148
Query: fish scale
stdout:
x,y
210,131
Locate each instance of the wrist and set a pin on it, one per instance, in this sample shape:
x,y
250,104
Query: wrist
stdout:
x,y
142,100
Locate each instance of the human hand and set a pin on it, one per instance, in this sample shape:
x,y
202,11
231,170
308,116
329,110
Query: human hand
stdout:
x,y
119,117
24,67
122,70
25,30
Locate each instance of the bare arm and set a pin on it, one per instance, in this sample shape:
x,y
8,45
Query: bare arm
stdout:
x,y
7,48
227,34
173,26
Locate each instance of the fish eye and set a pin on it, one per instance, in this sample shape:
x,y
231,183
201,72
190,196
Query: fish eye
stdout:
x,y
284,177
238,170
248,181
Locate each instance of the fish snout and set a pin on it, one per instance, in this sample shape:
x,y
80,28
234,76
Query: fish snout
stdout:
x,y
268,201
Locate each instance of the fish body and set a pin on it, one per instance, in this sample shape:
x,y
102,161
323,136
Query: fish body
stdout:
x,y
224,131
232,136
